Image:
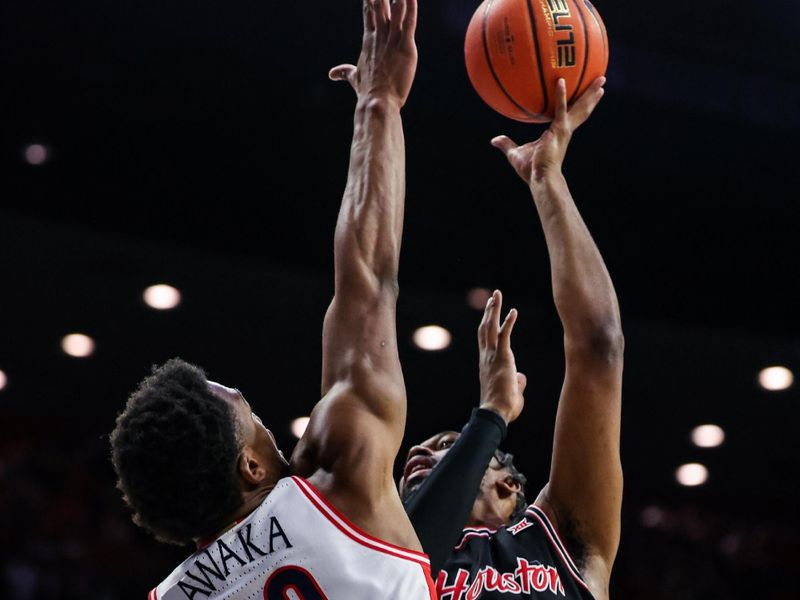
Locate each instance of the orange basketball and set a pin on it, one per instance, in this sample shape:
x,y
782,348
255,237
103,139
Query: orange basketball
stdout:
x,y
516,50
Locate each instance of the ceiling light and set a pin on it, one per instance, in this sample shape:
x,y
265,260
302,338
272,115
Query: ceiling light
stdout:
x,y
775,378
162,297
691,474
432,337
477,298
299,426
652,516
78,345
708,436
35,154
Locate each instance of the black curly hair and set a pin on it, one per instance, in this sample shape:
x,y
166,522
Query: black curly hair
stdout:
x,y
506,460
175,448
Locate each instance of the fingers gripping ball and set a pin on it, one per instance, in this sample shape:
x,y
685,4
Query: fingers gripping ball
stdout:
x,y
516,50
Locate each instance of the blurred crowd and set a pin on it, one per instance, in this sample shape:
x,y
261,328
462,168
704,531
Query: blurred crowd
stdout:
x,y
66,535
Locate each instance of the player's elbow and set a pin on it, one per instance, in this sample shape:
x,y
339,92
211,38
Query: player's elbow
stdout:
x,y
608,340
603,341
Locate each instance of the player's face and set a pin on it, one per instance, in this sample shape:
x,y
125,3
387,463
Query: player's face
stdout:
x,y
423,457
254,433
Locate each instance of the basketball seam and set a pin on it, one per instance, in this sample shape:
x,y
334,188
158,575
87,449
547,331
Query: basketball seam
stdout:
x,y
494,74
538,59
600,27
585,54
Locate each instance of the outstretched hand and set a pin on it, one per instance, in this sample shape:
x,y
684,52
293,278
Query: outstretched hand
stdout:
x,y
388,59
501,385
544,156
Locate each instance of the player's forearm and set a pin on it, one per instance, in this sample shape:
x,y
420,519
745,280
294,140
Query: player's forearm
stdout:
x,y
370,223
582,289
440,508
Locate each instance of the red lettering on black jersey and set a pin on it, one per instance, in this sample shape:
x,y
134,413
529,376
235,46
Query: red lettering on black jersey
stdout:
x,y
456,590
527,578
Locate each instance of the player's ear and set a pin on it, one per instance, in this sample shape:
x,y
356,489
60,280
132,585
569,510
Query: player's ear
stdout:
x,y
250,467
507,486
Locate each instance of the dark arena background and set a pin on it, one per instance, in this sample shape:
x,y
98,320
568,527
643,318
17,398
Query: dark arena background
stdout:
x,y
200,145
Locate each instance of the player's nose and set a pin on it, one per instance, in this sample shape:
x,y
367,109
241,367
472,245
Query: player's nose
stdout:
x,y
418,450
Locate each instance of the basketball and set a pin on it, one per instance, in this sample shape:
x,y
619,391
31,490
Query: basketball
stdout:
x,y
516,50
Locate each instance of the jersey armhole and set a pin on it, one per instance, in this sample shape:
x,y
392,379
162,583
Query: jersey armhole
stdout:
x,y
355,533
541,517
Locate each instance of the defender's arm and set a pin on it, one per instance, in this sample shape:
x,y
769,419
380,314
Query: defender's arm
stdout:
x,y
356,429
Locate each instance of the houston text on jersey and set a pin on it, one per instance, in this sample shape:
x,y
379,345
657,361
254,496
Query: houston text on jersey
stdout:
x,y
527,578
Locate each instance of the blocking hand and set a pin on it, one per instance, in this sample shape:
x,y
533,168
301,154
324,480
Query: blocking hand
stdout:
x,y
388,59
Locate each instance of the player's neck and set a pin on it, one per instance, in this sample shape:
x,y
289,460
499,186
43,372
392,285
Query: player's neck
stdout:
x,y
252,500
487,514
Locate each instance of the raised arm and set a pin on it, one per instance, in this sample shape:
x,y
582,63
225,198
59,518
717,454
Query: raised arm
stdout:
x,y
584,492
440,507
356,429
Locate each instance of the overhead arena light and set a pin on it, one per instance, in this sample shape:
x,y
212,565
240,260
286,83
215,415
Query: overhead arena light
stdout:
x,y
775,378
78,345
708,436
162,297
35,154
691,474
299,426
478,297
652,516
3,380
432,337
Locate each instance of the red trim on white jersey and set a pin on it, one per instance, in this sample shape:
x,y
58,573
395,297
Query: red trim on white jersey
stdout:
x,y
350,530
152,595
544,521
426,571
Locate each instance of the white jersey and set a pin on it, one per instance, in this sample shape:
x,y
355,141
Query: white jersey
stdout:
x,y
297,546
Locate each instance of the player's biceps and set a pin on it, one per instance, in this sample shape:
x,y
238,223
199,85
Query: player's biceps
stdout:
x,y
362,450
383,394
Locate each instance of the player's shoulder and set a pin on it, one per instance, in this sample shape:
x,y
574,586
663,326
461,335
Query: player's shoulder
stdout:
x,y
549,534
531,529
535,522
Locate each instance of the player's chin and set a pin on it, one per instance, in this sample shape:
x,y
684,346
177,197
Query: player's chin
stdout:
x,y
411,485
406,490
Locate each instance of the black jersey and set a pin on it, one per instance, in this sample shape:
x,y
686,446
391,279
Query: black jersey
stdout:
x,y
523,560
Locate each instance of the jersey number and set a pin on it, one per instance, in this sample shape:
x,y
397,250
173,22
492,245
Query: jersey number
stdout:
x,y
292,583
